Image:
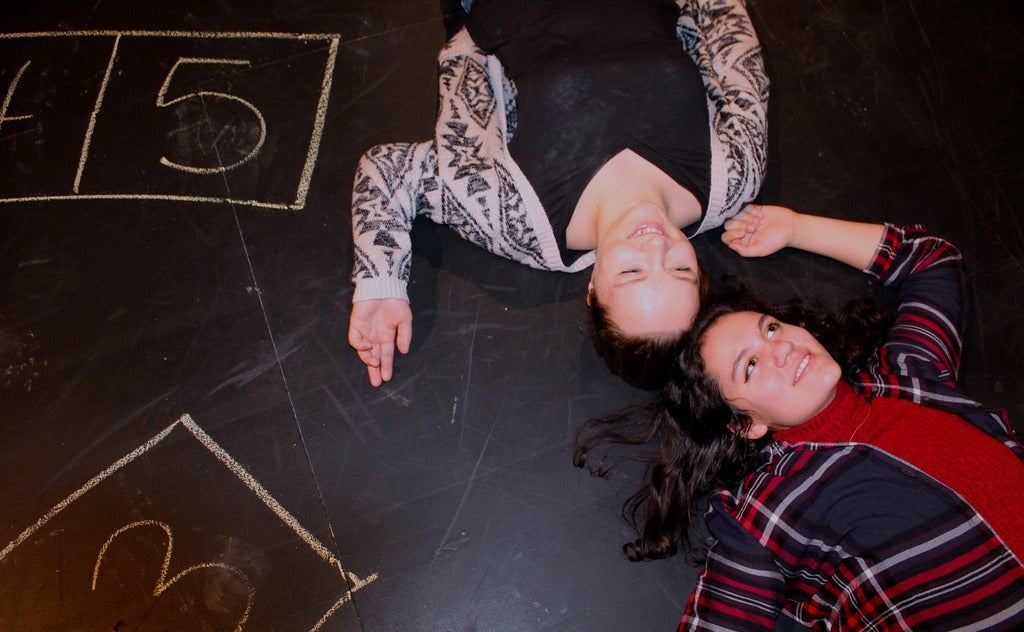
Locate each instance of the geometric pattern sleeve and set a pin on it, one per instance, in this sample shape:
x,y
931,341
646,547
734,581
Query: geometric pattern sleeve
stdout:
x,y
393,184
719,37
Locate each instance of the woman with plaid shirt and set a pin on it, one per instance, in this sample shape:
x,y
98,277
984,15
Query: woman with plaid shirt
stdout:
x,y
886,501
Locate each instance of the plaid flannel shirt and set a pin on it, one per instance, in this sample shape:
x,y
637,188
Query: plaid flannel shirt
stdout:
x,y
845,536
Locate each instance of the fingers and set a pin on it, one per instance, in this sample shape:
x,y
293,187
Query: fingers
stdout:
x,y
357,340
738,233
374,374
387,356
374,365
404,336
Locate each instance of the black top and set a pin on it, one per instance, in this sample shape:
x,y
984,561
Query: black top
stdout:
x,y
595,77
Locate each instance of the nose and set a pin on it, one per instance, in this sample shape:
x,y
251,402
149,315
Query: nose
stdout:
x,y
780,351
655,245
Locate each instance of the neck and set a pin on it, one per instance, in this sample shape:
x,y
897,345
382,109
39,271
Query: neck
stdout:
x,y
624,181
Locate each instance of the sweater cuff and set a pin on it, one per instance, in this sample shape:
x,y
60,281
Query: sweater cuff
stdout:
x,y
370,289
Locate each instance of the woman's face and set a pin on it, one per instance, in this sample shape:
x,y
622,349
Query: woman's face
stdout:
x,y
645,273
778,374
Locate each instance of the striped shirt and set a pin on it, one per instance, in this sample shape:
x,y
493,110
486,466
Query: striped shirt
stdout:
x,y
846,536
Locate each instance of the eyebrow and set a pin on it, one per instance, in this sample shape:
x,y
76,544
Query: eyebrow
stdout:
x,y
743,351
634,279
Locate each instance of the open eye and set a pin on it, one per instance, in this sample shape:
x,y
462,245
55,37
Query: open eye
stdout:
x,y
749,369
771,329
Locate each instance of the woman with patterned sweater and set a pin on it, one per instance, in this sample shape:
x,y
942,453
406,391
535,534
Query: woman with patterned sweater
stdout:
x,y
886,501
572,133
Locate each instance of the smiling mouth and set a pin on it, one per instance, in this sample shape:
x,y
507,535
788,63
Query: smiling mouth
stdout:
x,y
647,229
800,368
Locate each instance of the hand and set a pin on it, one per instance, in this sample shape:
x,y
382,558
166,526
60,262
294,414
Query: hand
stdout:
x,y
758,231
375,328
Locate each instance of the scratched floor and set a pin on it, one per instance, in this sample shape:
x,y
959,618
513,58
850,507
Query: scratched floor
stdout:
x,y
187,441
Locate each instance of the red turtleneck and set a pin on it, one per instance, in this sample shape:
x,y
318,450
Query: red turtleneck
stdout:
x,y
941,444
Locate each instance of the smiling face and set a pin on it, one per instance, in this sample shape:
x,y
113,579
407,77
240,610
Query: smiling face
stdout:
x,y
645,273
778,374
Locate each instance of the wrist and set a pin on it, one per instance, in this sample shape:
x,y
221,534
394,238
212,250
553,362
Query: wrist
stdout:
x,y
797,230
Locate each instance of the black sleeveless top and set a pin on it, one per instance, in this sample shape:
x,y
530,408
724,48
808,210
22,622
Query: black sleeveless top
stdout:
x,y
595,77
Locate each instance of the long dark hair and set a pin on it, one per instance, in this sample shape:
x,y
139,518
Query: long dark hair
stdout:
x,y
693,440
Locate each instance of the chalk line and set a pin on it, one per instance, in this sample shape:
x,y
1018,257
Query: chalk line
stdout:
x,y
10,95
172,33
233,466
93,482
318,126
94,115
154,196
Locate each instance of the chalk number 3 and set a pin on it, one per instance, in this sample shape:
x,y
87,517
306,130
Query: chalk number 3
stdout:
x,y
163,101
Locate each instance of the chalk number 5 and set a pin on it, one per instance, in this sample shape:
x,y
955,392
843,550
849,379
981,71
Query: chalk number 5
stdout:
x,y
162,101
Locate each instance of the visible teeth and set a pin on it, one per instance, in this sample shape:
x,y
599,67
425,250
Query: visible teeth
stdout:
x,y
650,230
800,369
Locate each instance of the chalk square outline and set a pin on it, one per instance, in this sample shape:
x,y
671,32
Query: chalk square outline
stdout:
x,y
306,175
351,581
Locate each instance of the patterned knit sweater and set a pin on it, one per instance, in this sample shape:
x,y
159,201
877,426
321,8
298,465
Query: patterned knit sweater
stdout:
x,y
465,177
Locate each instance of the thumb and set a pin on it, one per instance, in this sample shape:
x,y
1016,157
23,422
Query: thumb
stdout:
x,y
404,337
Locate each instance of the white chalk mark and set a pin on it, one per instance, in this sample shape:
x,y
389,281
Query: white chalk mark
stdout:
x,y
162,102
318,126
309,163
10,95
94,115
231,569
249,481
352,581
148,196
141,523
162,584
93,482
356,584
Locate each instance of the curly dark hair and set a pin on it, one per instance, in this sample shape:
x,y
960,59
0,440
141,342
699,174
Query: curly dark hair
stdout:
x,y
641,361
691,439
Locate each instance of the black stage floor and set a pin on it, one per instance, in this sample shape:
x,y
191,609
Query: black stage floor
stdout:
x,y
188,441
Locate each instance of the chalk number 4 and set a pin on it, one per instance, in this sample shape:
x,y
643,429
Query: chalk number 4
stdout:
x,y
163,101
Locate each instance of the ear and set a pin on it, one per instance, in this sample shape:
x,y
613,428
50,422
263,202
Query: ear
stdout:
x,y
590,291
754,431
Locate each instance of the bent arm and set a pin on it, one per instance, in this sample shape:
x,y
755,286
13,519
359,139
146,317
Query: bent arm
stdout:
x,y
926,340
763,230
929,276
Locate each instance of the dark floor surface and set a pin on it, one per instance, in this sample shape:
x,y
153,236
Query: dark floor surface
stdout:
x,y
188,441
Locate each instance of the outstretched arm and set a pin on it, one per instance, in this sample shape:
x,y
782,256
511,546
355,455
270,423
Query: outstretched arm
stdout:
x,y
393,184
762,230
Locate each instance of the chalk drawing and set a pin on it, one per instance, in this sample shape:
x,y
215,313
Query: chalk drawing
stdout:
x,y
10,94
92,116
350,580
162,585
162,102
319,117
